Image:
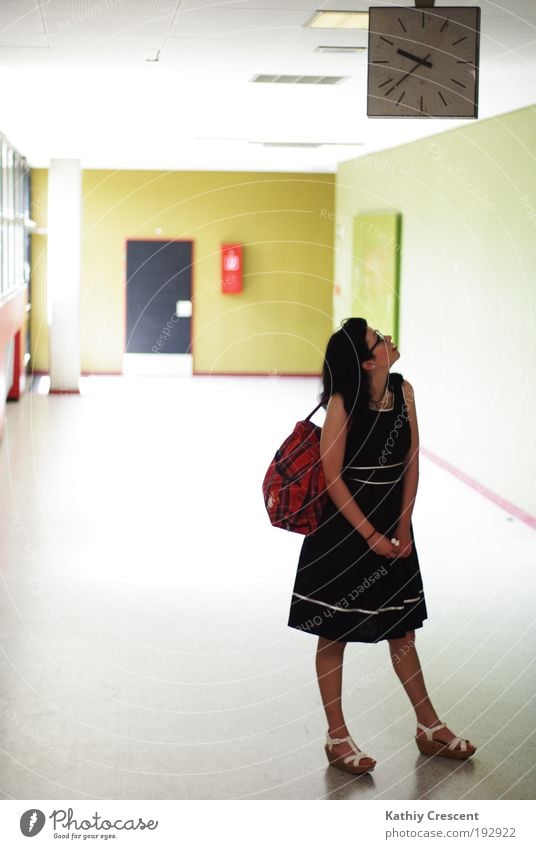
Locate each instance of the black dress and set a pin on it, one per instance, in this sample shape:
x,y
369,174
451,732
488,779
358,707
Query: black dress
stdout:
x,y
344,590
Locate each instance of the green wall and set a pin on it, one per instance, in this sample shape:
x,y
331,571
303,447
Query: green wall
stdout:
x,y
280,323
467,290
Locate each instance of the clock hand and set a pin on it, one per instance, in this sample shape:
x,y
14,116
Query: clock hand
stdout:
x,y
420,62
415,58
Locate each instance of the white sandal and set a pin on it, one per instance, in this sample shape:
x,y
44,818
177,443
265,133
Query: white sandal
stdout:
x,y
457,748
348,763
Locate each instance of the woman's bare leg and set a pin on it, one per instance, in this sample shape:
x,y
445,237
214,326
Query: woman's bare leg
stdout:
x,y
329,658
408,668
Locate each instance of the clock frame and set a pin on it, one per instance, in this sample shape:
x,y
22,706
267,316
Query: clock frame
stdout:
x,y
423,62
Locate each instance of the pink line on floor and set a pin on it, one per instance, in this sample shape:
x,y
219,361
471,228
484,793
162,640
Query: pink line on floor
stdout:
x,y
483,490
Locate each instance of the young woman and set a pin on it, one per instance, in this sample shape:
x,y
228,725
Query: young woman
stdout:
x,y
358,576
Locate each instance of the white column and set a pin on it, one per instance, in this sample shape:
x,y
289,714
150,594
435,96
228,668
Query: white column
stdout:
x,y
63,272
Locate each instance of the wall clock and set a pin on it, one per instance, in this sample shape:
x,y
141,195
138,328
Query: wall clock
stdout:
x,y
423,62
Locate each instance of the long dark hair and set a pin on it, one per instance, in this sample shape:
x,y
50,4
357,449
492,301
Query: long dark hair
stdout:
x,y
342,371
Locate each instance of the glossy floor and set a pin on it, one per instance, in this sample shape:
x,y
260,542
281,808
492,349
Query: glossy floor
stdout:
x,y
144,600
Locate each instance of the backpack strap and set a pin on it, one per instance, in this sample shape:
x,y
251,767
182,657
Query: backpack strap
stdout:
x,y
312,414
317,408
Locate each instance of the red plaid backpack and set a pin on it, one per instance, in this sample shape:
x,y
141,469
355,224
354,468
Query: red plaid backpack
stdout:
x,y
294,487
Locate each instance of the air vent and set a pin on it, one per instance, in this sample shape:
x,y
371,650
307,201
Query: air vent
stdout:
x,y
290,79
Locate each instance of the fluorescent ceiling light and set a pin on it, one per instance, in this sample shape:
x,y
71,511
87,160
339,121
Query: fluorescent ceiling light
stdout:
x,y
306,144
325,48
339,20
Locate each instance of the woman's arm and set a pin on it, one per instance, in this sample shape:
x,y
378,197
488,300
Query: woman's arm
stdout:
x,y
411,461
332,449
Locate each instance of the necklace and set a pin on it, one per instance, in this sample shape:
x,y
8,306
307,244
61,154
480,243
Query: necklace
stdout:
x,y
383,400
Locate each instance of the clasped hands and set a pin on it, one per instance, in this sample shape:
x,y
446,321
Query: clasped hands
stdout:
x,y
385,547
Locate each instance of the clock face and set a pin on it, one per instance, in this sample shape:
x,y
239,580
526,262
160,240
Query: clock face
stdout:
x,y
423,62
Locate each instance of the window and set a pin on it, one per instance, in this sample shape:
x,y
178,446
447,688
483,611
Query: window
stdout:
x,y
14,217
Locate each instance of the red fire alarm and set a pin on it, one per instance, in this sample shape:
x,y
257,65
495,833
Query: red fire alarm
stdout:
x,y
231,268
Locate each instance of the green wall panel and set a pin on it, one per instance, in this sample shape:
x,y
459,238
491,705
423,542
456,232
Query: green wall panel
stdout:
x,y
375,270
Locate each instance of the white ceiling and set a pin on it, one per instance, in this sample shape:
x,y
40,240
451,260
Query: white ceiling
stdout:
x,y
76,82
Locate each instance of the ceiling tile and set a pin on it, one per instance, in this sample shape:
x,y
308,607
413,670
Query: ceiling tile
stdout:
x,y
19,16
108,16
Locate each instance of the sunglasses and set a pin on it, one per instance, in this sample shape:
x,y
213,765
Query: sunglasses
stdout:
x,y
379,338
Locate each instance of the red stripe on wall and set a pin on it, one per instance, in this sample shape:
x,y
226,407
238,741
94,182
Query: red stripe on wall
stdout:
x,y
480,488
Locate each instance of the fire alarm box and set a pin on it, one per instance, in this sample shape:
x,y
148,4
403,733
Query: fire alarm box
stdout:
x,y
231,268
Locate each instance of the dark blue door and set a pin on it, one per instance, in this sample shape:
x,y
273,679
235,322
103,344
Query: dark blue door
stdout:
x,y
158,275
